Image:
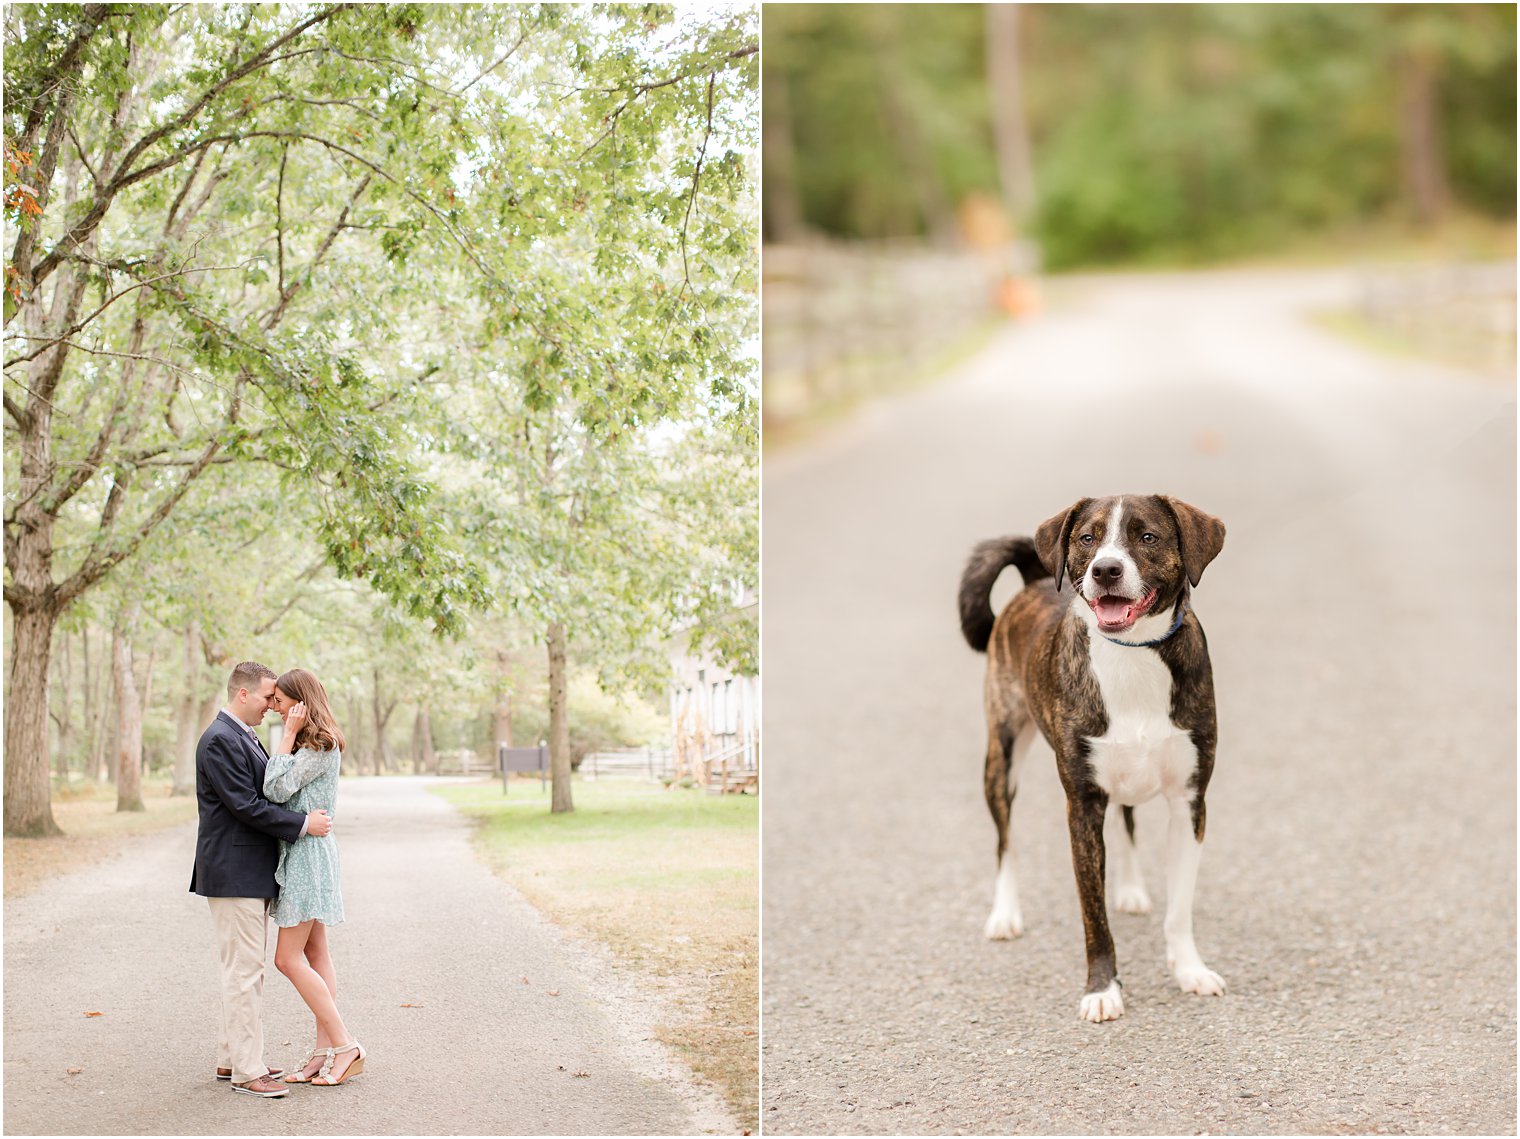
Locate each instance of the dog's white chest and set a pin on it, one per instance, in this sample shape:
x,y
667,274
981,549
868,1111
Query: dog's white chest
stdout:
x,y
1142,754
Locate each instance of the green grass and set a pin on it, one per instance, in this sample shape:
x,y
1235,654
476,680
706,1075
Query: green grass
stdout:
x,y
1479,351
668,880
1461,238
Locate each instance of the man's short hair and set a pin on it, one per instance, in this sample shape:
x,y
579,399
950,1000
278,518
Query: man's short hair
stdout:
x,y
250,674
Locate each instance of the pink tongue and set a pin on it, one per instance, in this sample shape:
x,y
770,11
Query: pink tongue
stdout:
x,y
1112,610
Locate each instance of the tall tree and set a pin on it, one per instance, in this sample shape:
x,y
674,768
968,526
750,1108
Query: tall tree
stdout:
x,y
1010,127
199,227
647,245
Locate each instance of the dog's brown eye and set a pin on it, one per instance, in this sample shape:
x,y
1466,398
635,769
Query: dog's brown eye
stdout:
x,y
1147,538
1086,539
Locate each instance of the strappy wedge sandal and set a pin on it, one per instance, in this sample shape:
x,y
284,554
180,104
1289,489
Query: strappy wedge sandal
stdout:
x,y
298,1074
323,1080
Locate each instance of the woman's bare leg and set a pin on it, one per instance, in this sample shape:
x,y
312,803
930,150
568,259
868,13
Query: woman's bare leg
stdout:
x,y
318,957
291,957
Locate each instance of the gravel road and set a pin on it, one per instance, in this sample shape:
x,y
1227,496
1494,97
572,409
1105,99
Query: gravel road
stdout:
x,y
488,1048
1358,885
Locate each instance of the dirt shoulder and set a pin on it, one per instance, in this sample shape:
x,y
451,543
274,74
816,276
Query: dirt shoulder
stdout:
x,y
93,832
668,882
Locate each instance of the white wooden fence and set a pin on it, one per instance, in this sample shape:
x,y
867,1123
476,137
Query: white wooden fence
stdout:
x,y
464,761
628,763
731,765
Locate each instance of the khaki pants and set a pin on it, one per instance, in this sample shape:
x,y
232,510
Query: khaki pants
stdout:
x,y
242,942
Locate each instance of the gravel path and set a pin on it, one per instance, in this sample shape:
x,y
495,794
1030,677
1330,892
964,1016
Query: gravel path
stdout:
x,y
482,1053
1358,884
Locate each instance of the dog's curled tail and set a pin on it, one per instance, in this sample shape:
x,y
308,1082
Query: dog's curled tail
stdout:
x,y
988,560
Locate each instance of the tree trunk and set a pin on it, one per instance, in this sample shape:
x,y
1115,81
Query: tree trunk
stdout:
x,y
1010,130
382,714
113,739
129,715
208,709
424,757
87,712
95,707
28,794
503,700
32,597
1420,137
187,725
919,165
379,756
65,714
783,204
355,741
559,723
102,733
145,686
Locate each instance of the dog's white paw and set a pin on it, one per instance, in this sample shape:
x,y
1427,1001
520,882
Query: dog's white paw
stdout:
x,y
1132,900
1003,925
1200,979
1107,1005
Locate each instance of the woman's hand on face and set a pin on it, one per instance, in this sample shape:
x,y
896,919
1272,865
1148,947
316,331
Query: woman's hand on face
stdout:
x,y
295,719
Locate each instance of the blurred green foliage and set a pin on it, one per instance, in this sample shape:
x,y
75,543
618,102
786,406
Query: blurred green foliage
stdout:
x,y
1158,132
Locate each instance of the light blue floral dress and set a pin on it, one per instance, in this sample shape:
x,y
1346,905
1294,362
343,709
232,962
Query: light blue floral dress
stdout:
x,y
308,868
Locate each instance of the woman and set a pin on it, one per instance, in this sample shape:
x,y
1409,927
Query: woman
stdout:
x,y
304,776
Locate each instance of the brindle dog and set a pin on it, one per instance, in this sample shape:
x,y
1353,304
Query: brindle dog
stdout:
x,y
1115,675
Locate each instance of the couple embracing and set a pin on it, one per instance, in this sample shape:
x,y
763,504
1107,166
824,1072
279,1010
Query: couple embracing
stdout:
x,y
256,859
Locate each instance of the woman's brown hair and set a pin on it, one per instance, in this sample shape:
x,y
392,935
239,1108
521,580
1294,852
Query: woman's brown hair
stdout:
x,y
321,731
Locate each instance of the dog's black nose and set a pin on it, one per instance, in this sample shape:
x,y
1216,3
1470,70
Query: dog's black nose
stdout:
x,y
1107,570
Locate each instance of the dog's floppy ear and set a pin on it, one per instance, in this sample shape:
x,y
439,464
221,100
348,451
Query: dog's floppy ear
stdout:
x,y
1051,537
1201,535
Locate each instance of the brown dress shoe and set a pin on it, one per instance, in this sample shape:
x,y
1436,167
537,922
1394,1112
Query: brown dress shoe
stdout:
x,y
263,1087
226,1073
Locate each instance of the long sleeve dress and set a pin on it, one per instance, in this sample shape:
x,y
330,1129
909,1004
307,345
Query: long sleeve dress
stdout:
x,y
308,868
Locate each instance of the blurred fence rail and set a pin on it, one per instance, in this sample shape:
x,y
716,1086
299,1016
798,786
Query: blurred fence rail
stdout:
x,y
1463,312
629,763
843,320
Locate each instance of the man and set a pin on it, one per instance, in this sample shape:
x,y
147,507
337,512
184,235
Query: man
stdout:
x,y
235,856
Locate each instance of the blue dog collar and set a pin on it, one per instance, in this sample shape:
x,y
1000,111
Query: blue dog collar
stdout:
x,y
1182,612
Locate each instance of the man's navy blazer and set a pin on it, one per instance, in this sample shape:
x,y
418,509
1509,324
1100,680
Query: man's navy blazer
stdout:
x,y
236,848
